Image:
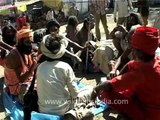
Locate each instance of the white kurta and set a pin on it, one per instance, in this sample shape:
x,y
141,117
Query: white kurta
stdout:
x,y
122,7
55,86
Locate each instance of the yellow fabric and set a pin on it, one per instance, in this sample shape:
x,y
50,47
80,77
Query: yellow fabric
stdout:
x,y
56,4
22,8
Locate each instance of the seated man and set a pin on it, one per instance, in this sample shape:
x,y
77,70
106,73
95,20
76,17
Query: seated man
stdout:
x,y
85,35
19,65
118,35
138,82
53,27
123,58
56,86
4,47
71,28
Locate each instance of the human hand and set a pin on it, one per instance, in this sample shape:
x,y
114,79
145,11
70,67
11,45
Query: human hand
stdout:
x,y
87,45
33,66
112,74
115,19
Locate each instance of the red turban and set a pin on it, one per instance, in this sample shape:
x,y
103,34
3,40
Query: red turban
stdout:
x,y
145,39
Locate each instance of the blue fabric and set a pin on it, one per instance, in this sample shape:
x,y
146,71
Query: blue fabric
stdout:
x,y
15,110
101,107
12,107
41,116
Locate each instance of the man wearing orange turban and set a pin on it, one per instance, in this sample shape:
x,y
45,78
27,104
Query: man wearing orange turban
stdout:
x,y
18,65
24,33
135,92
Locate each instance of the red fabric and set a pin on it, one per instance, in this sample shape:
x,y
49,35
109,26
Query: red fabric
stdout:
x,y
145,39
21,21
128,106
143,81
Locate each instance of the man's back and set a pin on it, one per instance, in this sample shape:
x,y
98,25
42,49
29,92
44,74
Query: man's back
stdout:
x,y
55,87
148,90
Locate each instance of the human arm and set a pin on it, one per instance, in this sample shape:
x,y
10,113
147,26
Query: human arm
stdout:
x,y
47,16
127,81
115,10
13,62
75,44
124,55
130,4
71,55
6,46
71,84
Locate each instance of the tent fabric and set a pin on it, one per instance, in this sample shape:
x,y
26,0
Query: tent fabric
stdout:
x,y
56,4
5,9
7,6
22,8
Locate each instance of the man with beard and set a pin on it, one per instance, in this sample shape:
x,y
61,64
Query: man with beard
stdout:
x,y
8,34
19,64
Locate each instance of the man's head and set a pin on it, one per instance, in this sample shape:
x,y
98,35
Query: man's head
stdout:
x,y
144,12
144,41
73,21
89,22
52,26
8,34
132,20
73,4
24,40
51,46
117,32
38,35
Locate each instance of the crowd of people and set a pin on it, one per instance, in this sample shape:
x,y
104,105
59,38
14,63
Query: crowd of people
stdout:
x,y
133,74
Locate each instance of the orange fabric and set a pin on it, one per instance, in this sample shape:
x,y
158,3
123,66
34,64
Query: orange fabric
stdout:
x,y
145,39
11,79
24,32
